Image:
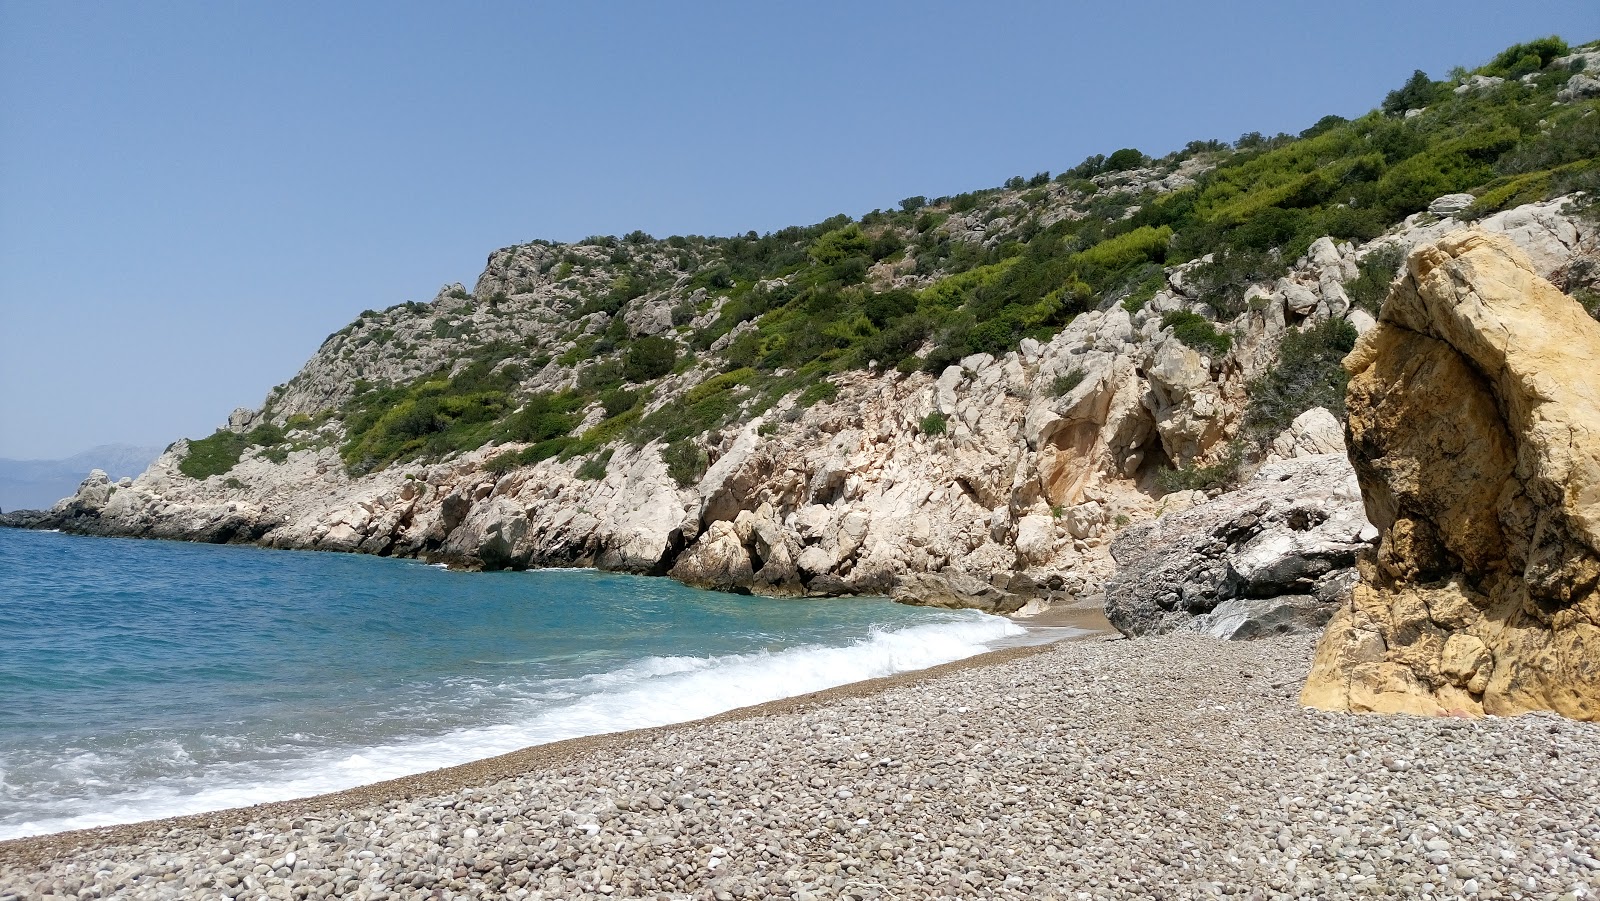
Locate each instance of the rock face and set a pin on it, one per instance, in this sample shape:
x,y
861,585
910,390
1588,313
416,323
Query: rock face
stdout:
x,y
1475,423
1275,556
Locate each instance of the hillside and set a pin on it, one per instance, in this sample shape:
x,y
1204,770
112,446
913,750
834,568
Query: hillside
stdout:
x,y
985,386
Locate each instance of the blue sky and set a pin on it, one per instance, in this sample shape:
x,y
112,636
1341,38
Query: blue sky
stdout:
x,y
192,196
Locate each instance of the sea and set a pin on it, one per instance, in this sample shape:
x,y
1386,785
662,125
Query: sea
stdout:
x,y
146,679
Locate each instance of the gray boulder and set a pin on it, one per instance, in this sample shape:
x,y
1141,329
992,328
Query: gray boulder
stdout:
x,y
1275,555
955,590
1580,87
1450,204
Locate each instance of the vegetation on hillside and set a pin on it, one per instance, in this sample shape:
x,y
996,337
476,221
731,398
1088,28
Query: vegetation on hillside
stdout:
x,y
934,280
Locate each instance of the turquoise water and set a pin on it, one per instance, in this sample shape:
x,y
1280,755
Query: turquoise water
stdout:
x,y
142,679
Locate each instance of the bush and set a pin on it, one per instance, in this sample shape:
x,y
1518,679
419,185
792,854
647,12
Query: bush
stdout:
x,y
1126,158
618,401
1446,168
543,417
213,456
934,424
1521,59
1309,373
686,462
816,393
1197,332
840,244
219,453
1194,477
1418,91
1377,272
500,464
1064,384
594,468
649,358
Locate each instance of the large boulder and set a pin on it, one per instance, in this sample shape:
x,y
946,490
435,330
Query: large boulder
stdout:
x,y
1475,426
957,591
1274,556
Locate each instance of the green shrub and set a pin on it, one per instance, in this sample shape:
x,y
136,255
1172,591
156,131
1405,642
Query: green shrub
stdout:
x,y
1126,158
1447,168
1197,332
1309,373
594,468
815,393
934,424
1376,273
649,358
432,416
1064,384
500,464
686,462
543,417
1194,477
219,453
617,401
1521,59
1418,91
840,244
743,351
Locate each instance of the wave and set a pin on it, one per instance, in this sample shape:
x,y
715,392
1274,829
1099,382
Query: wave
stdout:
x,y
653,691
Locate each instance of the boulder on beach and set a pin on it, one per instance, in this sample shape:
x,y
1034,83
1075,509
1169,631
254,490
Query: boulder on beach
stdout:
x,y
1273,557
1475,424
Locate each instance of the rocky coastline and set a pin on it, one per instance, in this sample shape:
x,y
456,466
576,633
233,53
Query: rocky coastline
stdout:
x,y
1044,456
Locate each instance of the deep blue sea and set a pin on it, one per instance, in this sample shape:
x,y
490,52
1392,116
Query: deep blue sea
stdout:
x,y
143,679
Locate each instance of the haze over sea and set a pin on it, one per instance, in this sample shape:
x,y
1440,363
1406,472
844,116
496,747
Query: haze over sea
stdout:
x,y
144,679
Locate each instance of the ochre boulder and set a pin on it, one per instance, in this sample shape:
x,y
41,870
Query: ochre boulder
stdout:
x,y
1474,418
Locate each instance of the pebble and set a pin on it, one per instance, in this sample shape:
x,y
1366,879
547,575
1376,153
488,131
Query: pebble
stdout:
x,y
1093,770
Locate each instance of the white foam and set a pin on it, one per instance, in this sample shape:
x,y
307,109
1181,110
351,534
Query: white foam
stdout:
x,y
655,691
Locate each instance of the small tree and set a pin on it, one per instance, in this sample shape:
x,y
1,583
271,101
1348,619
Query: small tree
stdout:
x,y
1126,158
1418,91
649,358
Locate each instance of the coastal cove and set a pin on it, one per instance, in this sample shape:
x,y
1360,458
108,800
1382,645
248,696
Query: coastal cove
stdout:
x,y
148,678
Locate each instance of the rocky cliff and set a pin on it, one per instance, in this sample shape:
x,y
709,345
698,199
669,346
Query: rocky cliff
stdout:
x,y
1474,417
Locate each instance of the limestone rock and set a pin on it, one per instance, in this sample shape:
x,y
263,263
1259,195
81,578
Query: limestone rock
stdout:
x,y
1479,83
1579,87
1313,432
1450,204
1475,425
717,561
1293,530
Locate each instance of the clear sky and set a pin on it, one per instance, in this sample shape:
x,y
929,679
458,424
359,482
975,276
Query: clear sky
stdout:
x,y
193,195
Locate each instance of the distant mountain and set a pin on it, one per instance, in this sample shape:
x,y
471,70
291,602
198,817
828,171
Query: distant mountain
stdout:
x,y
37,484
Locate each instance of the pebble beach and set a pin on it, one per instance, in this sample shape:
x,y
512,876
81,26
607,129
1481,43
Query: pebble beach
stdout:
x,y
1173,767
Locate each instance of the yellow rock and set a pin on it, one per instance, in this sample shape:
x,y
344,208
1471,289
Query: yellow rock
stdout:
x,y
1475,431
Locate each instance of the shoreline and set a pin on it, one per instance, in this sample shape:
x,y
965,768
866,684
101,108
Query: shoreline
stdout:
x,y
38,850
1178,766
